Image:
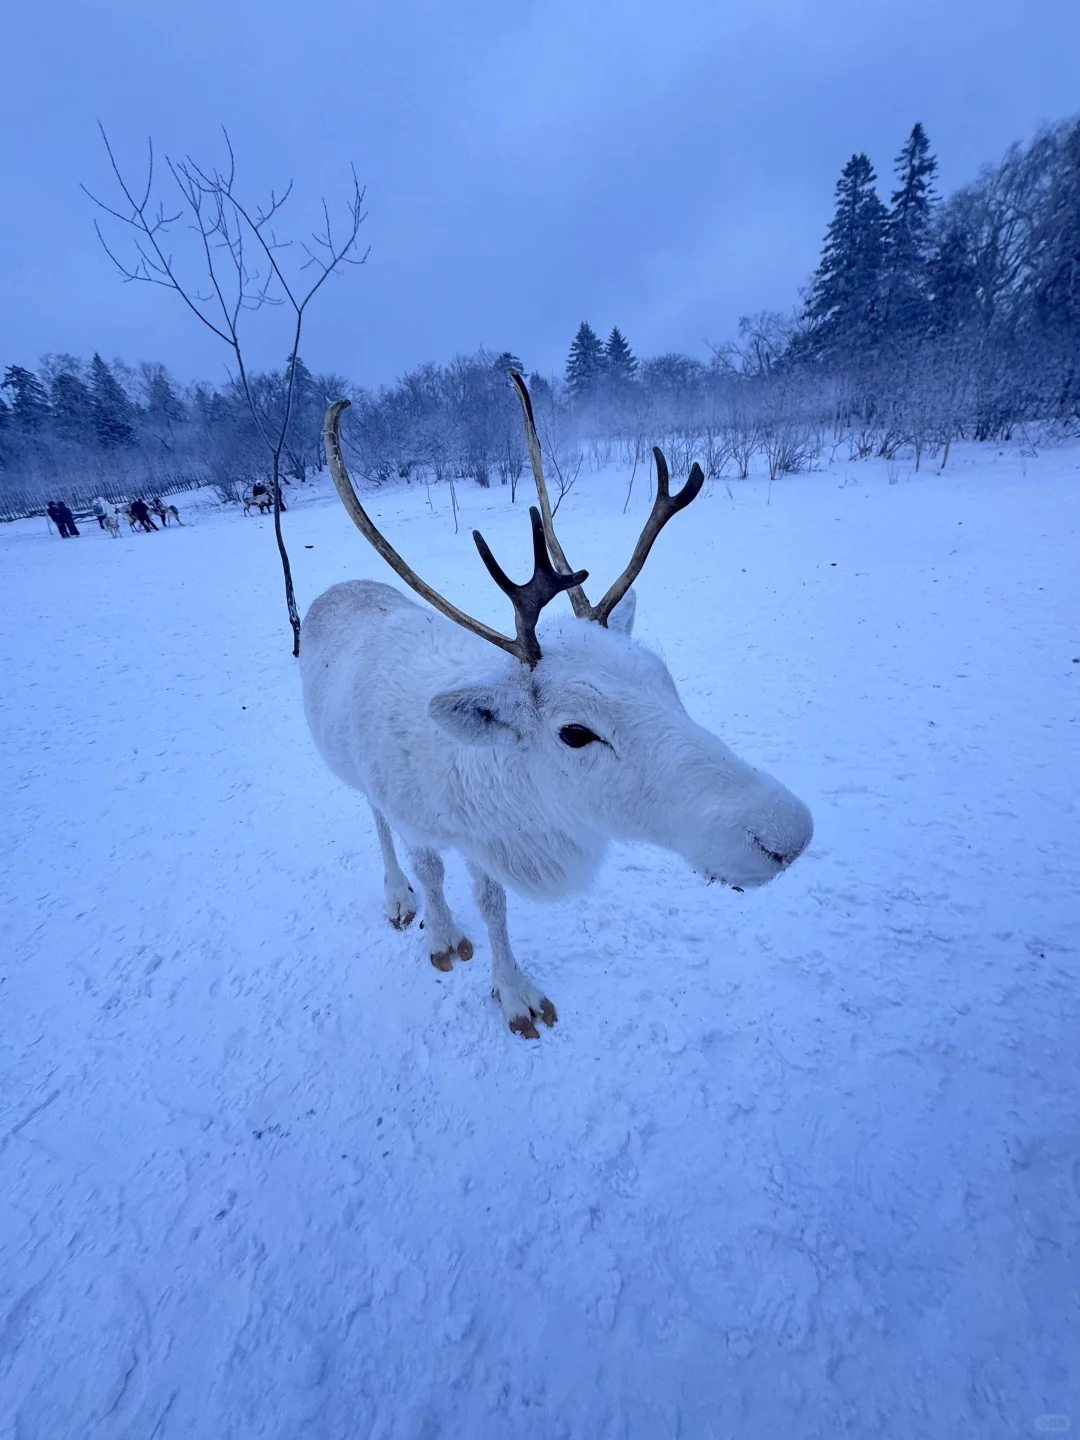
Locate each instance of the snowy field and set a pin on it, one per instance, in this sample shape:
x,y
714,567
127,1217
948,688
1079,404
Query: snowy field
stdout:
x,y
796,1163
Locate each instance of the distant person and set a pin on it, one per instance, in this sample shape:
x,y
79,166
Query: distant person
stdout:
x,y
68,518
101,509
62,518
141,515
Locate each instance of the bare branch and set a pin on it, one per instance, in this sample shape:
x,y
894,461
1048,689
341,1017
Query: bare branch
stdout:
x,y
230,236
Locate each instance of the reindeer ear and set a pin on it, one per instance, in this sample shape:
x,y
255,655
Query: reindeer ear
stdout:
x,y
481,714
621,619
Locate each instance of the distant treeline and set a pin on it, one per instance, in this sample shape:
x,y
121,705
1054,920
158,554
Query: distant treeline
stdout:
x,y
77,431
926,320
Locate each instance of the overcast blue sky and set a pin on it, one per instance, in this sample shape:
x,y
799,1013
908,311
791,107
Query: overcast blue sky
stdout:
x,y
663,167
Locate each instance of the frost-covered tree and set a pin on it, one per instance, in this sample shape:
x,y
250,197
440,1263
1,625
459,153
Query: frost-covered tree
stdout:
x,y
845,294
585,365
908,239
507,360
768,341
164,408
303,443
310,393
73,412
951,284
29,403
1055,263
112,409
620,363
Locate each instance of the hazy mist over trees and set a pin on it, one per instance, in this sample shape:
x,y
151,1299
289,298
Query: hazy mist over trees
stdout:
x,y
927,319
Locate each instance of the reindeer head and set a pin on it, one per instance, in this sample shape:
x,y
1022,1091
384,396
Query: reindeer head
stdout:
x,y
588,727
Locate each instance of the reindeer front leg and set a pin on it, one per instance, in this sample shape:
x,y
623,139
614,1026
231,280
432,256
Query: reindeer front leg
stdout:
x,y
444,939
521,1002
400,903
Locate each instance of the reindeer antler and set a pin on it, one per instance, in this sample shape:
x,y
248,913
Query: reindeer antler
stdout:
x,y
578,598
664,507
528,600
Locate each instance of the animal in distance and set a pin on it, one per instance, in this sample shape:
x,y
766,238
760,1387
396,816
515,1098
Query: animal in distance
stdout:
x,y
260,497
526,754
108,516
164,512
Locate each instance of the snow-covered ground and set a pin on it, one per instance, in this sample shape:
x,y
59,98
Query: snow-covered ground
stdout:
x,y
800,1162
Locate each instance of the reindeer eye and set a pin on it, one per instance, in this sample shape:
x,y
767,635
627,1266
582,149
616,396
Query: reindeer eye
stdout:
x,y
577,736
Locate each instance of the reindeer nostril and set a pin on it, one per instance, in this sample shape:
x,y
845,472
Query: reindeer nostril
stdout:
x,y
773,855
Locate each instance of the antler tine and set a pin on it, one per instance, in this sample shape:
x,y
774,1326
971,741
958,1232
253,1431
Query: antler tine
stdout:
x,y
662,476
664,507
529,599
578,598
363,523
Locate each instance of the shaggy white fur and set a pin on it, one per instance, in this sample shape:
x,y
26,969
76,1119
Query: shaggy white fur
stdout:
x,y
459,747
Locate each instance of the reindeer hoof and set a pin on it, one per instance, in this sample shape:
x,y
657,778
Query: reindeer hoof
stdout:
x,y
522,1005
400,909
444,959
523,1024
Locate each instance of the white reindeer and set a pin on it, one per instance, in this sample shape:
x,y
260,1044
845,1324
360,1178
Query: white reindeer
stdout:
x,y
527,755
108,516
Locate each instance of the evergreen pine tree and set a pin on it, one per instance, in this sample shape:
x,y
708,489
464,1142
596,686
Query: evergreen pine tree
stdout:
x,y
907,238
30,404
620,362
303,441
72,408
112,408
507,360
303,382
585,364
164,408
952,286
844,303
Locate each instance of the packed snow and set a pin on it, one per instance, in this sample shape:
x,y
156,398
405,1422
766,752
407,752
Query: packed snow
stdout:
x,y
798,1162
